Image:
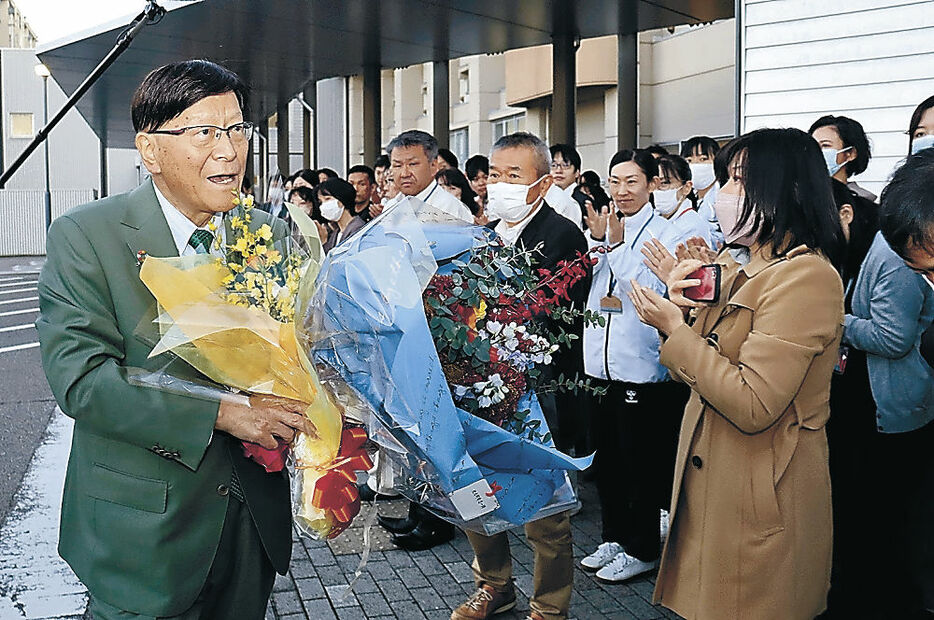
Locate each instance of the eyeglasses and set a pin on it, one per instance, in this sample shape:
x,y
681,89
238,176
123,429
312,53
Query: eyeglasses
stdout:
x,y
555,165
205,136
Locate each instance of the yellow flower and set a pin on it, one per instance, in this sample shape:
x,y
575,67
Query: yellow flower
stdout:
x,y
264,232
260,249
248,202
273,257
241,245
235,222
481,311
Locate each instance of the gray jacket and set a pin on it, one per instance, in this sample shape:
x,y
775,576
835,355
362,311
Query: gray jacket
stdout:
x,y
892,306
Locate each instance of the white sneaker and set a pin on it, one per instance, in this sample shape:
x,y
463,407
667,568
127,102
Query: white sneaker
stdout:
x,y
624,567
664,525
602,556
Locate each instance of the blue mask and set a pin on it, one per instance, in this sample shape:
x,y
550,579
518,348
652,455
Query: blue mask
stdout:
x,y
919,144
830,156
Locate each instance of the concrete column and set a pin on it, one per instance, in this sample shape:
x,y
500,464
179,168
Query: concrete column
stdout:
x,y
282,138
372,113
260,188
331,124
105,181
627,96
309,154
441,102
563,127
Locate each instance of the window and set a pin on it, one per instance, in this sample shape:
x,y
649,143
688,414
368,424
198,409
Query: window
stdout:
x,y
21,125
463,85
460,143
507,125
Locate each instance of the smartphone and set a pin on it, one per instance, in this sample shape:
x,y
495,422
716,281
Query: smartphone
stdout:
x,y
709,288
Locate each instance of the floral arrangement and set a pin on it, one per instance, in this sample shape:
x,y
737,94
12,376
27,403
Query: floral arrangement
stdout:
x,y
496,321
259,274
234,320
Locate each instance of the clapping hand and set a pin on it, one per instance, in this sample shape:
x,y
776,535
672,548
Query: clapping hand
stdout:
x,y
596,222
678,281
658,259
654,310
695,248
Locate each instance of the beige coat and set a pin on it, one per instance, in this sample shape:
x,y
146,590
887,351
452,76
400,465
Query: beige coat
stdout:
x,y
750,522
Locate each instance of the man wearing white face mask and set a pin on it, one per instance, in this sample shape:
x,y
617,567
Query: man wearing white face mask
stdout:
x,y
519,180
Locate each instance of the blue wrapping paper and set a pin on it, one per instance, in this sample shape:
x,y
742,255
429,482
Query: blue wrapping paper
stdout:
x,y
368,324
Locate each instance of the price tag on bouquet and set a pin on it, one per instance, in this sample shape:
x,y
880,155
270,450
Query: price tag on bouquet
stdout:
x,y
474,500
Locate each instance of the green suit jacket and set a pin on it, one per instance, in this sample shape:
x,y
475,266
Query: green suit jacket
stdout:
x,y
143,503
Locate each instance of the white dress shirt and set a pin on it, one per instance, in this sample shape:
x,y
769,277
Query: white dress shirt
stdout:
x,y
560,200
182,228
443,200
511,234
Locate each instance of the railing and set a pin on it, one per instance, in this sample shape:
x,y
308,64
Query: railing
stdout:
x,y
22,213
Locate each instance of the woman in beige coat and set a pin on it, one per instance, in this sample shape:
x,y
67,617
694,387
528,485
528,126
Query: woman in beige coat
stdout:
x,y
750,518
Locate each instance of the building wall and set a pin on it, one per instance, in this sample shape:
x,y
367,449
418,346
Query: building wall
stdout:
x,y
14,29
74,150
871,60
687,83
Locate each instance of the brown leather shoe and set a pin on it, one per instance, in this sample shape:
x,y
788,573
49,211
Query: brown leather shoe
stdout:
x,y
485,602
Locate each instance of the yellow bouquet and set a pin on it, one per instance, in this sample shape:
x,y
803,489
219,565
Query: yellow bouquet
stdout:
x,y
233,320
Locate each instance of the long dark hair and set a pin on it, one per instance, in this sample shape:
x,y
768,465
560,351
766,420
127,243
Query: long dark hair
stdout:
x,y
923,107
453,176
863,228
787,192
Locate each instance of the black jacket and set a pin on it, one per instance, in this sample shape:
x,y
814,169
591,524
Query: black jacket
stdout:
x,y
561,240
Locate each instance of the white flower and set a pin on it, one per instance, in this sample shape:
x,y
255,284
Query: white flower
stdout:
x,y
493,327
485,401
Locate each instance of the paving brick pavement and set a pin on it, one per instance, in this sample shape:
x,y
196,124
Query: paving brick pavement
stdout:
x,y
429,584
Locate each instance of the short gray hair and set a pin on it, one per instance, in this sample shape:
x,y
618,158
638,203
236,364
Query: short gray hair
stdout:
x,y
415,137
527,140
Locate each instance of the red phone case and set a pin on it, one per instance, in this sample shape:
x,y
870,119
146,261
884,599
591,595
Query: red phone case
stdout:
x,y
709,288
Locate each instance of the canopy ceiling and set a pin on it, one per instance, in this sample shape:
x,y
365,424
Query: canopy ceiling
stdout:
x,y
278,46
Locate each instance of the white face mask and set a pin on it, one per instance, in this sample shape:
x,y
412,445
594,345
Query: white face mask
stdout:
x,y
830,158
924,142
507,201
702,175
666,201
331,209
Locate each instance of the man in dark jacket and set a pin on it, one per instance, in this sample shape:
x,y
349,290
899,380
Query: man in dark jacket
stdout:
x,y
519,178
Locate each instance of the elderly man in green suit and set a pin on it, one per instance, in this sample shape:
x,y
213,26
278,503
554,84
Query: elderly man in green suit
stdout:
x,y
162,515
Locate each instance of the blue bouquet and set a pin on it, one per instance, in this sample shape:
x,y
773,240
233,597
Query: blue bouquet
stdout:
x,y
367,328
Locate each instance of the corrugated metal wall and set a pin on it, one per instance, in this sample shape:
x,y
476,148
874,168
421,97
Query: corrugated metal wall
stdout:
x,y
871,60
23,214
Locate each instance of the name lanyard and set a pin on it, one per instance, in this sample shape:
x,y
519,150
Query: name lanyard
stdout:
x,y
630,248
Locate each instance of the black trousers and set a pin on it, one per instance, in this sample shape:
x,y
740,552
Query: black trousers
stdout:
x,y
900,537
636,434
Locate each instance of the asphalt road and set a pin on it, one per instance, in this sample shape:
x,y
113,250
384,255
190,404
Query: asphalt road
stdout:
x,y
26,403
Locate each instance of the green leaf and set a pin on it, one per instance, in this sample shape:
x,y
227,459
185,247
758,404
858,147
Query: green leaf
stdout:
x,y
477,270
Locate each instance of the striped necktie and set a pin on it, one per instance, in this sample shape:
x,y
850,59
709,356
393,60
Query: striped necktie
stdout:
x,y
201,241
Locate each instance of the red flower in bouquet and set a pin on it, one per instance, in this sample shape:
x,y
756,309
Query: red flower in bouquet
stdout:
x,y
487,321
